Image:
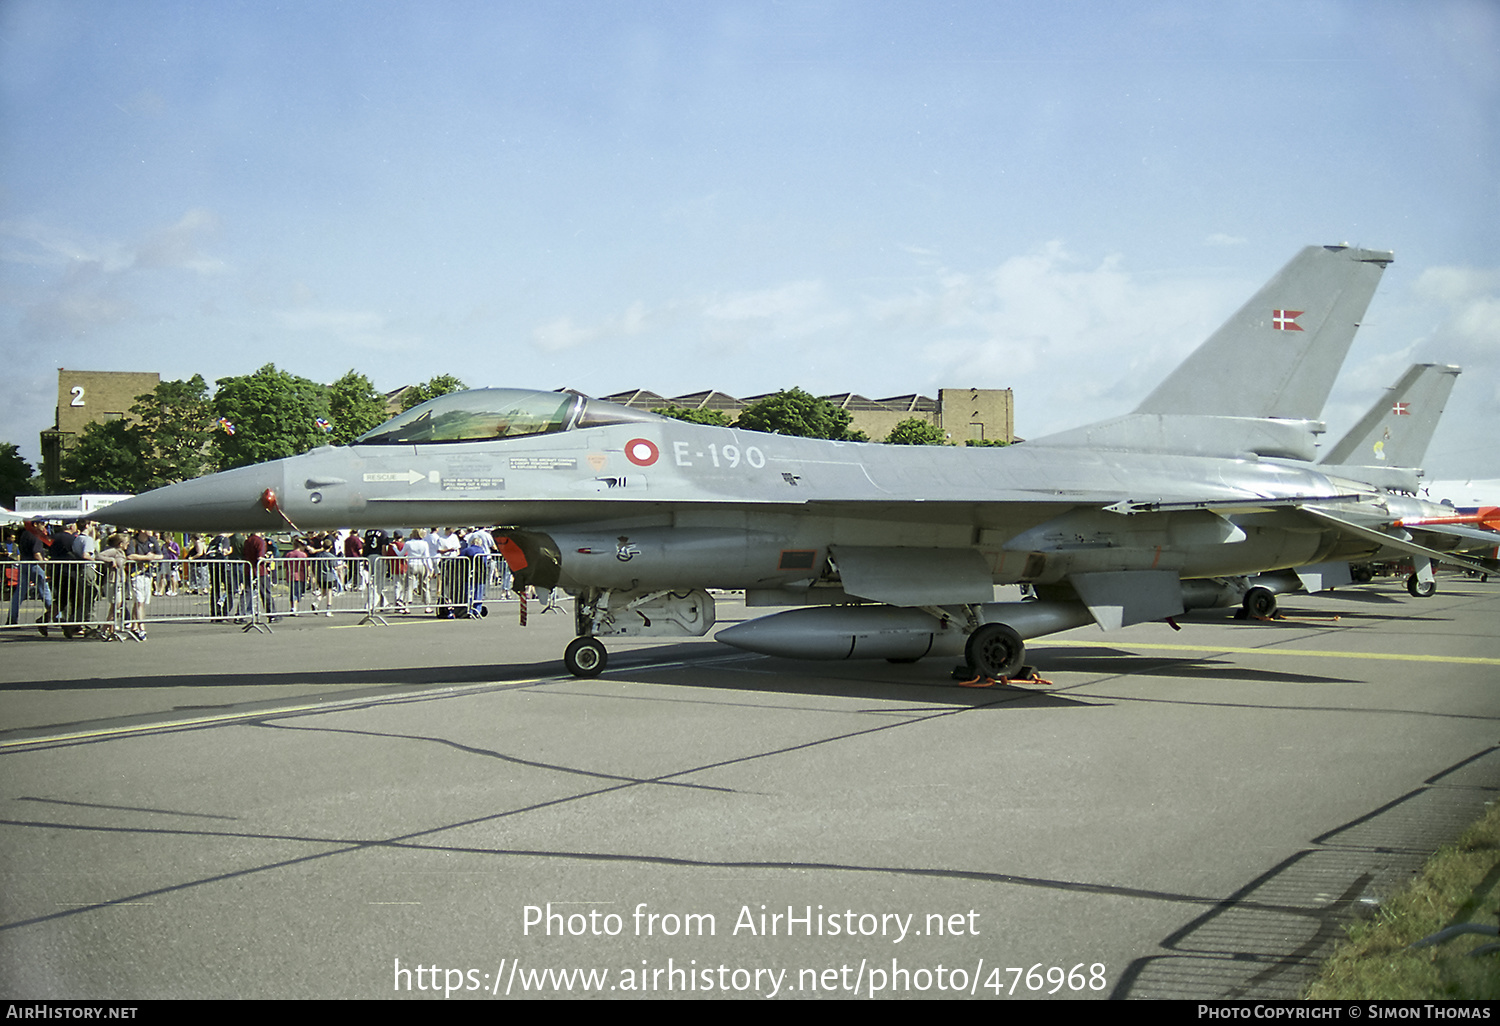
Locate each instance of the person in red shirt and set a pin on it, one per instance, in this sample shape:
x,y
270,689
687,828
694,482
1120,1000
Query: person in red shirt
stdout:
x,y
355,568
296,571
254,553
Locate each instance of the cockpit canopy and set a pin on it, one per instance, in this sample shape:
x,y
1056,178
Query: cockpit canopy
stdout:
x,y
489,414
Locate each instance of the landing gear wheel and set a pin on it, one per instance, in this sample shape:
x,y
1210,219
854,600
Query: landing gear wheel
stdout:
x,y
995,650
1420,588
1260,603
586,657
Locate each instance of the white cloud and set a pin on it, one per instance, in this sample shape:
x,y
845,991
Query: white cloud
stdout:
x,y
46,247
338,322
73,284
360,329
180,245
1450,314
1065,331
1456,284
1465,305
796,309
76,314
564,333
1073,336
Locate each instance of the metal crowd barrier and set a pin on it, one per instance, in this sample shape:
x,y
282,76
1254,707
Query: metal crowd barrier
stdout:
x,y
77,596
71,596
453,586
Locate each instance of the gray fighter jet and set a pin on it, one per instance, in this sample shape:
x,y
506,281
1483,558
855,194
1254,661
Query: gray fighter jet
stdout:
x,y
893,552
1384,449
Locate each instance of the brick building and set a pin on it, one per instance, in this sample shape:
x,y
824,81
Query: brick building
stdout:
x,y
84,397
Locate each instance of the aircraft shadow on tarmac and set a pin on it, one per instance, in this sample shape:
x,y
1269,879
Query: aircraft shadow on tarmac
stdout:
x,y
1116,662
411,676
1268,938
929,683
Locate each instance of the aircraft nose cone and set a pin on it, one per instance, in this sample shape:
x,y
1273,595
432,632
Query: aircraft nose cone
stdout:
x,y
230,501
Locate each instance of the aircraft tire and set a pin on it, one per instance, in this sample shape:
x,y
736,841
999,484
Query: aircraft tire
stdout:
x,y
995,650
1260,603
1419,588
586,657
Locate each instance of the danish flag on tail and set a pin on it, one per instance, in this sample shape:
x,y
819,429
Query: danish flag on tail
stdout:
x,y
1286,320
1401,409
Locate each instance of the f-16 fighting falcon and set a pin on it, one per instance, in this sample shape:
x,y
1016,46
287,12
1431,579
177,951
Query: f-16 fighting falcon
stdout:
x,y
893,551
1384,449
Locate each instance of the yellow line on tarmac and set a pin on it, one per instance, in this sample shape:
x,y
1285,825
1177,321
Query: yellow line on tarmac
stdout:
x,y
1299,652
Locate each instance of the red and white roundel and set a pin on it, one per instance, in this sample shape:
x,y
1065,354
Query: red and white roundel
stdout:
x,y
641,451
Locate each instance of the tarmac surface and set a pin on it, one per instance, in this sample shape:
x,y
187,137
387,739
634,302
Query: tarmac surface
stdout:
x,y
435,809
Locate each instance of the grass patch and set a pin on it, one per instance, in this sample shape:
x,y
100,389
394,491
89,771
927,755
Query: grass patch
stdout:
x,y
1460,884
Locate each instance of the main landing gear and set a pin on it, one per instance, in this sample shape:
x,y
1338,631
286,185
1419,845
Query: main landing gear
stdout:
x,y
1421,583
1420,588
1259,604
995,650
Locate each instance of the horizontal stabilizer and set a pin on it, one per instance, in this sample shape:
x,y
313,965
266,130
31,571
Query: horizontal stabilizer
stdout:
x,y
1119,599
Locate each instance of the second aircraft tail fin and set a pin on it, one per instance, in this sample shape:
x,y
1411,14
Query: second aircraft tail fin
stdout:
x,y
1396,431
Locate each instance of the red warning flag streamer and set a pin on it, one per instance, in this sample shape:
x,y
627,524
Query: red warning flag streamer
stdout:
x,y
270,505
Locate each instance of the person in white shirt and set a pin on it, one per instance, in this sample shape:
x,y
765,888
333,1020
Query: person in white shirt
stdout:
x,y
418,577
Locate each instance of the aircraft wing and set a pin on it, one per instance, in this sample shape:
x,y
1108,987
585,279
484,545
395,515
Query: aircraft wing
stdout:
x,y
1403,542
1229,506
1477,535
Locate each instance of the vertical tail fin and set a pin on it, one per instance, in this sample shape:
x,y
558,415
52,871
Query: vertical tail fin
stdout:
x,y
1396,431
1258,384
1278,355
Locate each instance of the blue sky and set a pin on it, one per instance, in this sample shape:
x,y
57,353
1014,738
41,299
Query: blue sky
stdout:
x,y
876,197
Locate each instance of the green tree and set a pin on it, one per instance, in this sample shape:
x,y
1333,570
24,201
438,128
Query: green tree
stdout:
x,y
15,475
172,425
440,385
916,431
795,412
716,418
354,407
988,442
274,414
105,458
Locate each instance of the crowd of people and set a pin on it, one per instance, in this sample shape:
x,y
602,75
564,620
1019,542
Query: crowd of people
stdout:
x,y
75,571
